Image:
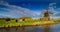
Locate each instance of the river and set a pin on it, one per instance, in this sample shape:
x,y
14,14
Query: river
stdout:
x,y
53,28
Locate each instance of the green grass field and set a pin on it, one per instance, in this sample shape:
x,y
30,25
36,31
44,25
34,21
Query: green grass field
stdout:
x,y
4,23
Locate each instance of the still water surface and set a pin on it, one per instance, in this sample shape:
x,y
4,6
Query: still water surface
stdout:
x,y
53,28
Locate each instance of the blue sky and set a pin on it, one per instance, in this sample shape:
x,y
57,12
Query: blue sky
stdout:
x,y
35,6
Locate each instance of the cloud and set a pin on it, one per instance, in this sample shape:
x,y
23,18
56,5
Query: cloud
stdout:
x,y
57,14
4,3
53,10
16,11
52,6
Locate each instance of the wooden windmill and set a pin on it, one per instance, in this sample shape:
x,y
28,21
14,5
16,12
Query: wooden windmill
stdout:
x,y
47,14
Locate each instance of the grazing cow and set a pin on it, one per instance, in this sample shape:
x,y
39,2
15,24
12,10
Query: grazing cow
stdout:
x,y
16,20
8,19
23,19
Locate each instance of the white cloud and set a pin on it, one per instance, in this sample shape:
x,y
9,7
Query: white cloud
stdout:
x,y
4,3
53,10
52,6
17,11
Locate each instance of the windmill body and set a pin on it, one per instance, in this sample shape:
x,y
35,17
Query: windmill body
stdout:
x,y
46,16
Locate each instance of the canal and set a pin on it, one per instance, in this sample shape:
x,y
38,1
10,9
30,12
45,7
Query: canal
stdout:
x,y
53,28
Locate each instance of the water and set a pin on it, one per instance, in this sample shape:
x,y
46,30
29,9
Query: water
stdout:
x,y
53,28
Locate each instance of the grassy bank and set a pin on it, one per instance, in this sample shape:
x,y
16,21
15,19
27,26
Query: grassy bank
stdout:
x,y
11,23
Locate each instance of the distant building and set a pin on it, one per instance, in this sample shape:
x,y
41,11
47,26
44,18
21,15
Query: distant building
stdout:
x,y
25,18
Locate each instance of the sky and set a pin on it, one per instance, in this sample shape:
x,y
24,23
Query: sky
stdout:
x,y
13,8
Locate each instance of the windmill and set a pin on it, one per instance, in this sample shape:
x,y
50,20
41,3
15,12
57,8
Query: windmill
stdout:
x,y
47,14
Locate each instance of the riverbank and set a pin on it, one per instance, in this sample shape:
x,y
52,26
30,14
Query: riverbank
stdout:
x,y
13,23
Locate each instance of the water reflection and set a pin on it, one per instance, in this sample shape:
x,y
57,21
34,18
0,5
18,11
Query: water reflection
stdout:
x,y
23,29
54,28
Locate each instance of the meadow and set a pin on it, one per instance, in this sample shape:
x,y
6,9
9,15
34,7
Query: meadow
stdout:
x,y
4,23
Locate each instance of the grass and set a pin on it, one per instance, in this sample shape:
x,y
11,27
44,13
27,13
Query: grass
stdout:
x,y
21,23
